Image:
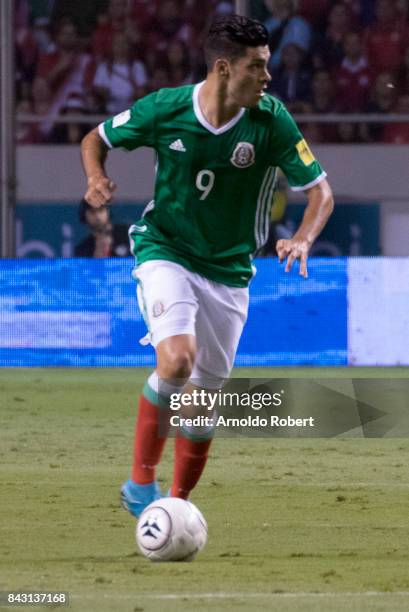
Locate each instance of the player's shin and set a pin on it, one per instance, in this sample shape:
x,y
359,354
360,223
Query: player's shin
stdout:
x,y
151,430
190,459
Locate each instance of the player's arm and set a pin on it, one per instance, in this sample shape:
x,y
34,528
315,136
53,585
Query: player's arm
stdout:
x,y
319,208
130,129
100,187
304,173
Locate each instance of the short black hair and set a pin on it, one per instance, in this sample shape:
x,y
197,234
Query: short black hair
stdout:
x,y
83,207
229,35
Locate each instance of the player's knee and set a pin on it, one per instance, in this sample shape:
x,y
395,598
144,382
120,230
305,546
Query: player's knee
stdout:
x,y
176,357
178,364
181,364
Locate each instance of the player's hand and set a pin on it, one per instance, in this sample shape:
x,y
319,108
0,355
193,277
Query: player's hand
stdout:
x,y
294,249
100,191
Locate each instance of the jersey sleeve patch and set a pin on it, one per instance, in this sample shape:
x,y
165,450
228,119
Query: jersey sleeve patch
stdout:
x,y
305,153
121,119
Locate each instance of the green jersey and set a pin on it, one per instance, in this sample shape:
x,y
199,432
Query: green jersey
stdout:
x,y
214,187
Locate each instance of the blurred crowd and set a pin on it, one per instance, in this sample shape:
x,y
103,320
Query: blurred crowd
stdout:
x,y
327,56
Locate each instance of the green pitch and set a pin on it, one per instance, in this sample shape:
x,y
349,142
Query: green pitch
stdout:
x,y
300,525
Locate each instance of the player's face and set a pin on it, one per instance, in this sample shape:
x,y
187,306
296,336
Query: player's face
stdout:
x,y
249,77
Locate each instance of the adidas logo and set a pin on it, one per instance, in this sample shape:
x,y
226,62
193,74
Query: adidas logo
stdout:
x,y
177,145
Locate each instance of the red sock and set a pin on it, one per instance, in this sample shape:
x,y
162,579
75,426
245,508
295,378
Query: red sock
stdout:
x,y
190,460
148,445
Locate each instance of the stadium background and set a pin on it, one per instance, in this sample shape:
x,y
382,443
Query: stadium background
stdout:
x,y
57,311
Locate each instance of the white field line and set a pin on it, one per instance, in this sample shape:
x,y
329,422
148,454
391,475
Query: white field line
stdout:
x,y
244,595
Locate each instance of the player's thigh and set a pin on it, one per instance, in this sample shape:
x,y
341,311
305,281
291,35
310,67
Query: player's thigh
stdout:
x,y
166,300
221,317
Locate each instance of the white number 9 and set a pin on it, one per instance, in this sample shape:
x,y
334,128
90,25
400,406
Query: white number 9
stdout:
x,y
207,185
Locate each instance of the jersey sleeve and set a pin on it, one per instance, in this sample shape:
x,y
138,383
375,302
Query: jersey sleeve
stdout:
x,y
292,153
132,128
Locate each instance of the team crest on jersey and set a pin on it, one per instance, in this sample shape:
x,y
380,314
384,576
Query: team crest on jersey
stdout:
x,y
243,155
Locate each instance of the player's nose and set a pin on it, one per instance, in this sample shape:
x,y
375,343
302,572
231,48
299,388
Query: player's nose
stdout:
x,y
266,78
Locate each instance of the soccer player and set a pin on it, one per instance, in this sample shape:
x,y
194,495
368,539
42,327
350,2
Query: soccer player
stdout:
x,y
218,145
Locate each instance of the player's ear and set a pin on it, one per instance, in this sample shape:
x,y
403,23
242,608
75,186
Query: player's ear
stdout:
x,y
221,67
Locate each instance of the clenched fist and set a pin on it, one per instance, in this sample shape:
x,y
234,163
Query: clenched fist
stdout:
x,y
100,191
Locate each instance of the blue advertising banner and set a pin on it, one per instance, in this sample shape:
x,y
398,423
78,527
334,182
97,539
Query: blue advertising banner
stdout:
x,y
83,312
295,321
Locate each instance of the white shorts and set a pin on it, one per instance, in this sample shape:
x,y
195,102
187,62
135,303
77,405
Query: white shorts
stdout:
x,y
175,301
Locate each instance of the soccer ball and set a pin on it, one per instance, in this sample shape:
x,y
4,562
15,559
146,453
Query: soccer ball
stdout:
x,y
171,529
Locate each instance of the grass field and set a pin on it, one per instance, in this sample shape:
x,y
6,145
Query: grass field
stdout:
x,y
300,525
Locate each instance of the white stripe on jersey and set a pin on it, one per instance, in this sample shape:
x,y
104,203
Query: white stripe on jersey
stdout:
x,y
259,206
264,202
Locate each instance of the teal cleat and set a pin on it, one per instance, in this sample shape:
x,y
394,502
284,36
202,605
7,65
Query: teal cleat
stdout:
x,y
135,497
